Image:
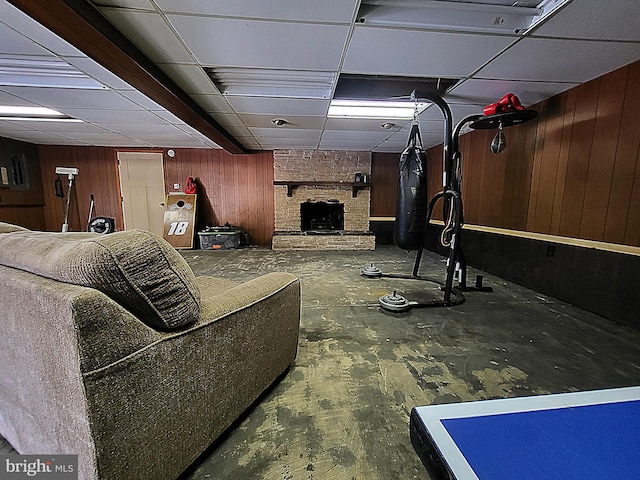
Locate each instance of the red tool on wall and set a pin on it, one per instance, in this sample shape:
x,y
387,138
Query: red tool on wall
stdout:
x,y
190,187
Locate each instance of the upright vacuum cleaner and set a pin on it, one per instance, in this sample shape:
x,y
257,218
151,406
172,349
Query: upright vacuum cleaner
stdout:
x,y
413,214
71,173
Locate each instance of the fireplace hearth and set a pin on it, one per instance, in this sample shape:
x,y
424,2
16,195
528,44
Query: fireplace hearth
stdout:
x,y
316,203
321,216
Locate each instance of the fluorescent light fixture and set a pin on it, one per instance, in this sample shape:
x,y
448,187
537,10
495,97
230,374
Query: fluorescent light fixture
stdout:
x,y
474,16
374,109
21,110
40,119
271,82
33,114
48,72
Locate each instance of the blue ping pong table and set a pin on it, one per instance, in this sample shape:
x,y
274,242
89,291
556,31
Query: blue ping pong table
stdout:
x,y
581,435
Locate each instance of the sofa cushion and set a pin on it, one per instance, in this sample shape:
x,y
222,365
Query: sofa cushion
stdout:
x,y
137,269
9,227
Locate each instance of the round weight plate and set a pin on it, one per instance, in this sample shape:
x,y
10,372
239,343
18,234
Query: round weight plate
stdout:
x,y
371,271
394,303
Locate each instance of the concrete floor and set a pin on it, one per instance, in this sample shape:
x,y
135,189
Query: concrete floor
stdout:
x,y
342,411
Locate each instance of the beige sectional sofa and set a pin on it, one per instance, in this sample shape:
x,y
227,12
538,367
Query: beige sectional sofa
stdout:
x,y
112,349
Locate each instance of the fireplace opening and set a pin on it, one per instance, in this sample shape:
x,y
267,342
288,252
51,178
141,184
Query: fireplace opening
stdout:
x,y
321,216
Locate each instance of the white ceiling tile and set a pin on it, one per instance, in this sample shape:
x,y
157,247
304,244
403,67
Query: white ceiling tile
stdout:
x,y
360,124
229,120
278,143
114,116
133,4
279,107
15,43
264,121
152,131
150,33
373,135
91,137
7,127
10,99
213,104
420,53
302,10
41,38
354,144
595,19
190,78
63,98
118,141
489,91
98,72
289,37
276,132
140,100
238,130
247,43
552,60
37,136
75,127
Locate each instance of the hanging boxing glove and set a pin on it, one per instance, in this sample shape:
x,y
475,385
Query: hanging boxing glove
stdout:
x,y
508,103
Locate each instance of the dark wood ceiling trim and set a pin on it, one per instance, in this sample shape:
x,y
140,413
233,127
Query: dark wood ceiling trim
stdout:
x,y
80,24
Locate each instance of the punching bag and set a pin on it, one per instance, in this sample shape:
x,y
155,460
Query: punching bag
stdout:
x,y
411,207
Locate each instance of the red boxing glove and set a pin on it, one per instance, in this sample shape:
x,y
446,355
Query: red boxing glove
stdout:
x,y
508,103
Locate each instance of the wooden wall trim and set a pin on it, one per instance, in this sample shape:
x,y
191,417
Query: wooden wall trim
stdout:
x,y
576,242
80,24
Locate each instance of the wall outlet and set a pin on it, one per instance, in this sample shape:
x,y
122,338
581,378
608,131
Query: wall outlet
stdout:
x,y
176,186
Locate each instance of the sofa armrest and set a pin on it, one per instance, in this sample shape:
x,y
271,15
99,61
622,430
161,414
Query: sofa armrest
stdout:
x,y
238,296
191,385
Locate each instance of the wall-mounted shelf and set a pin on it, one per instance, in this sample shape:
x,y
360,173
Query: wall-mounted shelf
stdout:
x,y
291,185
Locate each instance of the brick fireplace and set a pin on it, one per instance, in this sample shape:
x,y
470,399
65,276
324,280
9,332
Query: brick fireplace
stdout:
x,y
319,182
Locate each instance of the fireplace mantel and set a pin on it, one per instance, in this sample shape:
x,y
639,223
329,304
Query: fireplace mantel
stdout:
x,y
291,185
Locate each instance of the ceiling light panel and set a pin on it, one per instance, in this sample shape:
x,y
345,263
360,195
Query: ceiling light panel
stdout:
x,y
264,82
374,109
449,16
43,72
479,16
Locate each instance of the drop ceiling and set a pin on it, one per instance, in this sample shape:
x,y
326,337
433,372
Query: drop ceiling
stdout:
x,y
243,63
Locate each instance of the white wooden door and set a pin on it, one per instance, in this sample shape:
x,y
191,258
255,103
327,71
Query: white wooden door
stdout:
x,y
142,187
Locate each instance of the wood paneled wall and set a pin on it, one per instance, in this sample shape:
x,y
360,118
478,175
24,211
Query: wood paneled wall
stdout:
x,y
586,175
384,180
233,188
22,206
98,176
237,188
573,172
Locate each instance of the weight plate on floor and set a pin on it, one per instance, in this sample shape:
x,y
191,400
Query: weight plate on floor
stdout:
x,y
371,271
394,303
